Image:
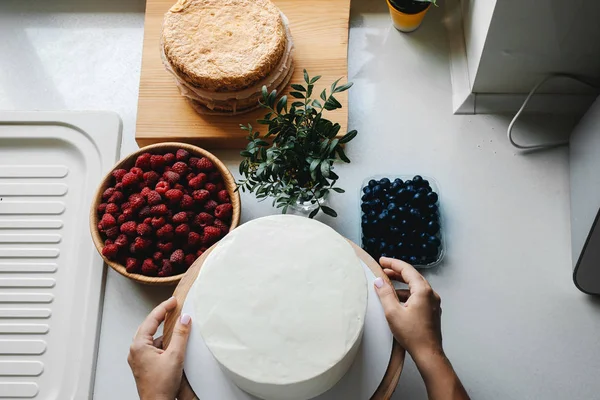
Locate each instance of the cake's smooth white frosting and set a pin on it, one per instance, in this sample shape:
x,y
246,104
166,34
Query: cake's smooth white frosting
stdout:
x,y
281,302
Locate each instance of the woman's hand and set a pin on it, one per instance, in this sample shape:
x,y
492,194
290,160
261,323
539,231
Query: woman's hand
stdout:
x,y
416,324
158,372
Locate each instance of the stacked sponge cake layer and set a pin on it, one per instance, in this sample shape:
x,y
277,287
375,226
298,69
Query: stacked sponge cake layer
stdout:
x,y
221,52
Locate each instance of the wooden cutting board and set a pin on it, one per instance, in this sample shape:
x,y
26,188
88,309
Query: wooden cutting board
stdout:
x,y
320,32
392,374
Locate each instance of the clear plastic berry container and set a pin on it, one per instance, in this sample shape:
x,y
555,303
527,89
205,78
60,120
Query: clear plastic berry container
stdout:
x,y
435,187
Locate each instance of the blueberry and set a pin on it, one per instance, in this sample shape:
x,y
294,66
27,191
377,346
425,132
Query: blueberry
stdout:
x,y
408,182
377,190
432,198
424,237
366,197
390,197
415,213
402,194
394,220
365,206
392,207
423,191
428,249
404,258
395,186
376,204
370,243
434,240
425,184
384,216
400,248
364,219
372,183
410,189
404,236
366,190
390,249
417,179
385,182
418,199
384,255
381,246
398,181
413,260
404,224
372,214
433,208
402,210
394,230
433,227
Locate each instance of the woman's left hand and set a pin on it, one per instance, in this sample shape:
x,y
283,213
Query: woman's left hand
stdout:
x,y
158,372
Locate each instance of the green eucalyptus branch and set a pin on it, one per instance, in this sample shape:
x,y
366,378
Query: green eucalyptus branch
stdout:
x,y
298,164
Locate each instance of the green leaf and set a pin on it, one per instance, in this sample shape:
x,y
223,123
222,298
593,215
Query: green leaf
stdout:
x,y
299,88
245,153
334,85
324,95
309,92
342,155
306,78
271,99
325,168
317,104
282,104
329,211
316,78
349,136
343,87
298,104
314,164
313,213
338,190
334,143
297,95
264,93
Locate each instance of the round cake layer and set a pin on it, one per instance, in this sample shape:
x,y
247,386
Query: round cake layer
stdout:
x,y
223,45
281,303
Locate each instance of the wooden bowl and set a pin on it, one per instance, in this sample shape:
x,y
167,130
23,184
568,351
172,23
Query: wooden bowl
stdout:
x,y
127,163
388,384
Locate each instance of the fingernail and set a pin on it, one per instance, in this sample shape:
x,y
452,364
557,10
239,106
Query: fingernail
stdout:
x,y
378,282
185,319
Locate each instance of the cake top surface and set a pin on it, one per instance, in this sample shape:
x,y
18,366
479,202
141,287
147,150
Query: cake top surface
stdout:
x,y
223,45
281,299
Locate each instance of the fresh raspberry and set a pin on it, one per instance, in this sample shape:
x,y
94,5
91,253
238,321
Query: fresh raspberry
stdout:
x,y
204,164
118,174
222,226
145,191
127,214
102,208
187,202
144,230
138,172
129,179
108,220
149,268
107,193
220,186
169,158
190,176
189,259
132,265
167,168
110,251
211,235
146,212
148,220
157,256
136,201
210,206
182,230
125,206
157,162
180,167
194,239
203,219
142,244
159,209
193,162
157,222
112,208
108,241
117,197
166,232
198,181
121,219
177,257
179,187
223,196
119,187
224,211
151,177
201,195
162,187
190,215
215,177
166,269
112,232
200,252
180,217
143,161
129,228
100,227
153,197
211,187
171,177
182,155
174,195
165,247
122,241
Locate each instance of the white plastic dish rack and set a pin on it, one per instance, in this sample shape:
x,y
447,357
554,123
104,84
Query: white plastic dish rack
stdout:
x,y
51,277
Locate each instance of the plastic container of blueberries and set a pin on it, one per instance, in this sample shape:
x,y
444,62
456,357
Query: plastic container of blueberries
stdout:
x,y
435,186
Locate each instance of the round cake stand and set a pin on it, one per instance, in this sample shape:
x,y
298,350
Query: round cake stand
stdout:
x,y
394,368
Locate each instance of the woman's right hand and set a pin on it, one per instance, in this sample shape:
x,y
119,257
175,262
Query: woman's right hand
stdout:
x,y
416,323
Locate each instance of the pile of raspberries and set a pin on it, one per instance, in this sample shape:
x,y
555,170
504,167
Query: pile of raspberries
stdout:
x,y
158,217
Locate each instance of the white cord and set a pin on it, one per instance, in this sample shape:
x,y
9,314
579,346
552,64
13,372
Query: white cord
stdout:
x,y
518,114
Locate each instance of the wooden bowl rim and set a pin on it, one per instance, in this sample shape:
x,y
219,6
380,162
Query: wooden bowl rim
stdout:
x,y
165,147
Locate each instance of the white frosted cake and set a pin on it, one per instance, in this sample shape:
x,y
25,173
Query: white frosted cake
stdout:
x,y
281,302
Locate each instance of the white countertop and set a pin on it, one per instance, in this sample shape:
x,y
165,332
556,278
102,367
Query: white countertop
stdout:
x,y
515,326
